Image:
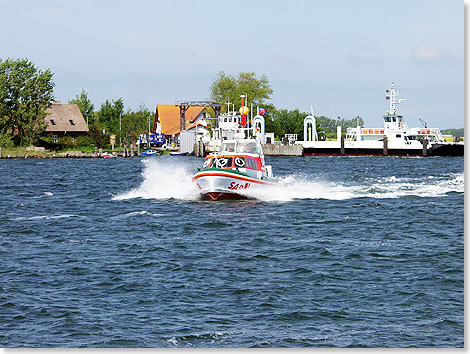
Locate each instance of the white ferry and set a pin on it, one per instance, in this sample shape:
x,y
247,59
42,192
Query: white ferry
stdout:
x,y
394,138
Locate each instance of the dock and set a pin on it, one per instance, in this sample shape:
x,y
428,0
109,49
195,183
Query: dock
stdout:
x,y
282,150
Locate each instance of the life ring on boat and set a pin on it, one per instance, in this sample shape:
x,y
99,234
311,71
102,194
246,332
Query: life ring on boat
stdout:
x,y
239,162
206,163
220,162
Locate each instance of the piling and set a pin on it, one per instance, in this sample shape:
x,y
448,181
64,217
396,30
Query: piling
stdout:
x,y
201,148
0,152
385,146
138,149
425,147
132,150
342,146
100,153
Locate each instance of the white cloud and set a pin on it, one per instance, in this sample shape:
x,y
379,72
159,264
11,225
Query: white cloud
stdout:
x,y
428,54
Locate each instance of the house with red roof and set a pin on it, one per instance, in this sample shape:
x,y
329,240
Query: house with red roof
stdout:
x,y
167,121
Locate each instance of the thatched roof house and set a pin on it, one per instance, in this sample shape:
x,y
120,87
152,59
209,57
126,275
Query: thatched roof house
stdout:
x,y
65,119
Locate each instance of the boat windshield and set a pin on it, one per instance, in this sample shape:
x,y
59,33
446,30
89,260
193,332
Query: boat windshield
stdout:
x,y
247,146
228,146
242,146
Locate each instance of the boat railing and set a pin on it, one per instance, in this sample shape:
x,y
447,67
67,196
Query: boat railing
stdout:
x,y
436,132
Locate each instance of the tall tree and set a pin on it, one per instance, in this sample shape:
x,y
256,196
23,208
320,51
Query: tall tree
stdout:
x,y
25,93
289,122
86,107
110,114
135,123
227,87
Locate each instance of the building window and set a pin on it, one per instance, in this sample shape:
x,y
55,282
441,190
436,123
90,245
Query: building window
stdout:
x,y
52,122
54,139
71,122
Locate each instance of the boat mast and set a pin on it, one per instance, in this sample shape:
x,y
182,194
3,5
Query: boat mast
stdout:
x,y
392,96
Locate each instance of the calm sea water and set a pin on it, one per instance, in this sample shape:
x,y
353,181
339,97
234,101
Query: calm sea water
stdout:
x,y
347,252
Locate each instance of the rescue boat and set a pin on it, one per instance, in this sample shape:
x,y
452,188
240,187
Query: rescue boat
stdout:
x,y
234,171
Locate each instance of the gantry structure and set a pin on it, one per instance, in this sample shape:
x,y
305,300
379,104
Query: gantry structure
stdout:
x,y
184,105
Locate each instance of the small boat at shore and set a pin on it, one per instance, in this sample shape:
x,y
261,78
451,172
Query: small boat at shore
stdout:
x,y
178,153
108,155
233,171
150,152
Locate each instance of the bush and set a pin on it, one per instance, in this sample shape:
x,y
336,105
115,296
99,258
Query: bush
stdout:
x,y
6,140
66,141
84,141
101,140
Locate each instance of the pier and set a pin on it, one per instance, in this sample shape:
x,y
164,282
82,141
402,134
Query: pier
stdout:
x,y
282,150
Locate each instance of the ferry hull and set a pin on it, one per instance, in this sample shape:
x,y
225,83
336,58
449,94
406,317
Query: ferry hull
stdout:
x,y
221,185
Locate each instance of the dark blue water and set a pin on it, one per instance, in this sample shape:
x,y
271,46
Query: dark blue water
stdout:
x,y
348,252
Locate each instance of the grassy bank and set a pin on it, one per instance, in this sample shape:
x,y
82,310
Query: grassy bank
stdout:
x,y
86,151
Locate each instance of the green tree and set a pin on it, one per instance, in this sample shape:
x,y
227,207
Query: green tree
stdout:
x,y
100,139
25,93
110,114
289,122
6,140
135,123
454,132
227,87
325,124
351,123
86,107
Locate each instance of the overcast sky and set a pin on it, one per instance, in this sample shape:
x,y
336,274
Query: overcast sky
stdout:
x,y
338,56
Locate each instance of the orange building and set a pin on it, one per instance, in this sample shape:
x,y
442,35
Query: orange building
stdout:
x,y
167,119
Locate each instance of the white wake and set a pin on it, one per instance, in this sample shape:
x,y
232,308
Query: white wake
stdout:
x,y
164,179
170,178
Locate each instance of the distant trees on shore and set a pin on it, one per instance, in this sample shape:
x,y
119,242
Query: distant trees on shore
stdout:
x,y
454,132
